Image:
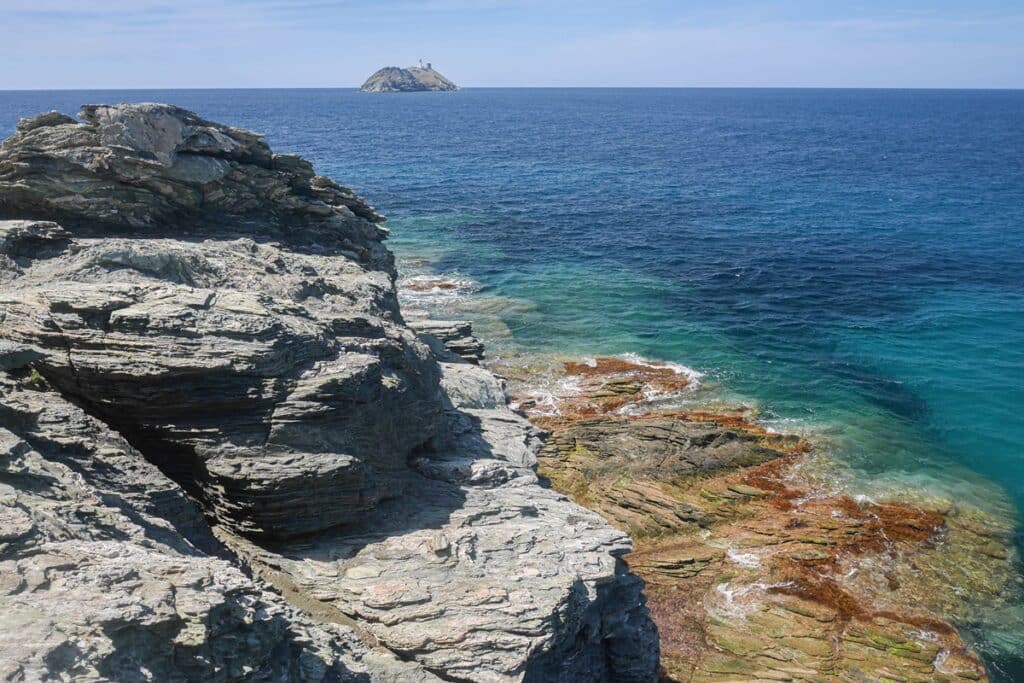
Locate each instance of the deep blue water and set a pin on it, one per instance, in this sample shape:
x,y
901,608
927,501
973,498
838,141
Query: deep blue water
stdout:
x,y
851,261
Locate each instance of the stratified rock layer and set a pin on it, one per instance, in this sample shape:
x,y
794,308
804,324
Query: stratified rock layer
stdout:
x,y
163,171
108,570
456,335
225,325
752,574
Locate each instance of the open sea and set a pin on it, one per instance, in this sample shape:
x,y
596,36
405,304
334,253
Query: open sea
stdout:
x,y
850,263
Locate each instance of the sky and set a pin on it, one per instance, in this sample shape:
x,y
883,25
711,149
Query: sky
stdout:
x,y
72,44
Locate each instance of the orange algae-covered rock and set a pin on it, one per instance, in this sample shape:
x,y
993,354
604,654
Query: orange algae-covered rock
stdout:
x,y
752,573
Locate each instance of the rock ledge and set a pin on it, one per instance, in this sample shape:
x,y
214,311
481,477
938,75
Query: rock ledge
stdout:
x,y
225,455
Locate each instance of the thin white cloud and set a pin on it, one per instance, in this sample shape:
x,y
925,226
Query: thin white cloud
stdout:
x,y
250,43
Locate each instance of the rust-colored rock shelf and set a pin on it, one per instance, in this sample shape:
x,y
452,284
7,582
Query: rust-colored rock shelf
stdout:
x,y
752,573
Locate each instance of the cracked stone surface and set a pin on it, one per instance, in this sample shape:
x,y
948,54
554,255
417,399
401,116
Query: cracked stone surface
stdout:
x,y
228,457
109,572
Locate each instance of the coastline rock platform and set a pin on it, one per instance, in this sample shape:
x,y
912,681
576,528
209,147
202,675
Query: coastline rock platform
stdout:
x,y
227,453
752,572
224,455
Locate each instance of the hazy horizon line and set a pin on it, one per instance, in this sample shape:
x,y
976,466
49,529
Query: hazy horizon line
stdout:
x,y
530,87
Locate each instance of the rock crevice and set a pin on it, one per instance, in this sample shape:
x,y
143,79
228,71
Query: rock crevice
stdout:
x,y
174,293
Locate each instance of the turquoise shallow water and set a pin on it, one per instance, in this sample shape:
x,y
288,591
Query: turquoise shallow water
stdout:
x,y
850,262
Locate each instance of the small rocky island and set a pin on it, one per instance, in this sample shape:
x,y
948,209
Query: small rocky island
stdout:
x,y
412,79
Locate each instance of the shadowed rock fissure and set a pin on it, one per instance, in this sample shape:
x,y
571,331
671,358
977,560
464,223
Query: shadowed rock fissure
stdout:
x,y
179,462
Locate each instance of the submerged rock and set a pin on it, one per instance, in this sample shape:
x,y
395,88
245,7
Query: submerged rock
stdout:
x,y
227,456
410,79
751,573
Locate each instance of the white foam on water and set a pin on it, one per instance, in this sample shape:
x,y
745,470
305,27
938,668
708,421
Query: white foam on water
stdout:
x,y
743,559
547,397
436,290
733,606
940,663
679,369
788,425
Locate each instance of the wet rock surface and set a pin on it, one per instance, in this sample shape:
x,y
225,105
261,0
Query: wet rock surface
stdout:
x,y
228,456
752,573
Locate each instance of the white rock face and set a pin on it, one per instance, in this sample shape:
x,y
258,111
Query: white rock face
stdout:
x,y
197,332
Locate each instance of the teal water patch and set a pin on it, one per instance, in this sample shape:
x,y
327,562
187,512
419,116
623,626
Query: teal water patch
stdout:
x,y
960,353
927,398
925,401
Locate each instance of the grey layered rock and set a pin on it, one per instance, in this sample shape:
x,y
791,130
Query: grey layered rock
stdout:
x,y
483,575
456,335
410,79
103,574
160,170
211,324
252,398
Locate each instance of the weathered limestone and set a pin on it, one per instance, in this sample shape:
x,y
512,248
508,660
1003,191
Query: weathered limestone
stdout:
x,y
473,574
160,170
166,342
109,572
225,324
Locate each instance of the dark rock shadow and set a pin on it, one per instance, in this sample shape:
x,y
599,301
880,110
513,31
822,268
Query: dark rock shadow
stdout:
x,y
412,500
142,652
609,643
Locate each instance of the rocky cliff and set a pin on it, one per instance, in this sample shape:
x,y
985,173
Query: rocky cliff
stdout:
x,y
411,79
225,456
